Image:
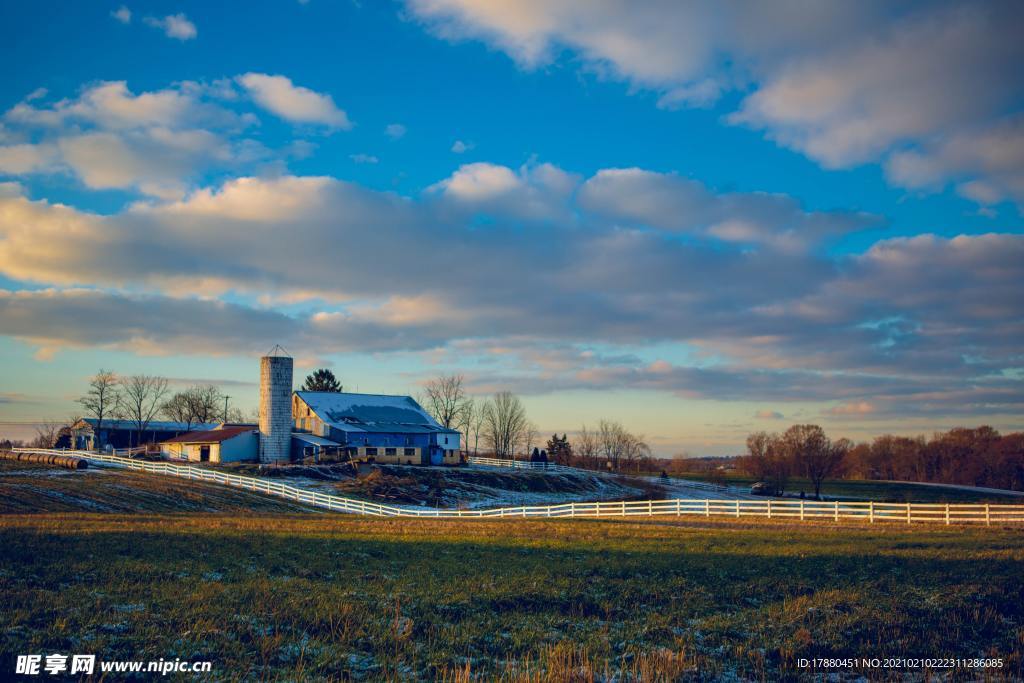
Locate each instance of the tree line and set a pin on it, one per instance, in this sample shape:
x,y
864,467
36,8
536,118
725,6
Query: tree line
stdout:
x,y
971,457
500,425
140,400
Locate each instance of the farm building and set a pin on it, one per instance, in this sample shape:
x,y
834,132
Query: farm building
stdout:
x,y
124,433
373,427
224,443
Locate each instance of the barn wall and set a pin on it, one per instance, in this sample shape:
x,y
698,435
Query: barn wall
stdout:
x,y
240,448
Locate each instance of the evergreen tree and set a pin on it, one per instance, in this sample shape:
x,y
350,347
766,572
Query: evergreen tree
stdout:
x,y
322,380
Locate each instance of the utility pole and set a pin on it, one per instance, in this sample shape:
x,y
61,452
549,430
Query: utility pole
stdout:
x,y
226,397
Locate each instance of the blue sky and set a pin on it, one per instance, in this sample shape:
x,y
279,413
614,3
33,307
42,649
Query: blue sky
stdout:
x,y
692,218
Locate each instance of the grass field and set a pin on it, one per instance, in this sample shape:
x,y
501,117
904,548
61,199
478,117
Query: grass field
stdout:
x,y
327,597
880,491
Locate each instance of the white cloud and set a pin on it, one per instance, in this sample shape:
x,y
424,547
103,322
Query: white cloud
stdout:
x,y
843,83
987,164
26,158
295,103
395,131
363,158
176,26
460,147
122,14
926,75
538,192
155,142
669,202
927,322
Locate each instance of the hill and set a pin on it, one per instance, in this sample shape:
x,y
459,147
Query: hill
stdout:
x,y
27,488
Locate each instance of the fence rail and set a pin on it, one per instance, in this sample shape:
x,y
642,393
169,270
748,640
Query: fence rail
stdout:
x,y
522,464
555,467
802,510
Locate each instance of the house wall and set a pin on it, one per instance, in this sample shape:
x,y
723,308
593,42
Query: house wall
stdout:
x,y
236,449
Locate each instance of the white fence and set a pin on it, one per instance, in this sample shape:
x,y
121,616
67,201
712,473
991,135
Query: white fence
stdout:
x,y
796,510
555,467
523,465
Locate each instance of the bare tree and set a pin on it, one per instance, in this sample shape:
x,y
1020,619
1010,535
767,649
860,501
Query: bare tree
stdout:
x,y
476,426
529,437
178,408
585,446
466,417
143,397
47,433
102,401
207,403
445,399
504,423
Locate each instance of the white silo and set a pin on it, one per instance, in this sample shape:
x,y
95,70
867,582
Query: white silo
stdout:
x,y
275,406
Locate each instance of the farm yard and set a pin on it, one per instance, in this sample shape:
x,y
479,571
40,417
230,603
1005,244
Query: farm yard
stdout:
x,y
297,596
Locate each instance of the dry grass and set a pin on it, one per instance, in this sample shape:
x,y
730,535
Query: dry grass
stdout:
x,y
30,488
327,597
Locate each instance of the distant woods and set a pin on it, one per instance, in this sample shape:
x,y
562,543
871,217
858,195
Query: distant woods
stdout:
x,y
322,380
971,457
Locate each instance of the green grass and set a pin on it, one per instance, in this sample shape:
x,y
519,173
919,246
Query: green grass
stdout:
x,y
327,597
865,489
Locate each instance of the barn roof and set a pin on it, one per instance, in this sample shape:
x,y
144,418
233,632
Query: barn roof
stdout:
x,y
154,426
371,412
314,439
212,435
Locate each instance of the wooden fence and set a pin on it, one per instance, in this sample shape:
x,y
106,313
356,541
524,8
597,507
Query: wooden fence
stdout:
x,y
795,510
521,464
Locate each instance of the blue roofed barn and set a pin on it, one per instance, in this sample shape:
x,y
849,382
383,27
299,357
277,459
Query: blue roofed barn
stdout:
x,y
374,427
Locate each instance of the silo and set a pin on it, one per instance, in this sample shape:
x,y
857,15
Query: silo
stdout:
x,y
275,406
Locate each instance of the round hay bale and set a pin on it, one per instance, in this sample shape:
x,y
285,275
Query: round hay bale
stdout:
x,y
81,464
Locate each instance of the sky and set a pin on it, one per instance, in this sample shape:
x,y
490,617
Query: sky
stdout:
x,y
701,219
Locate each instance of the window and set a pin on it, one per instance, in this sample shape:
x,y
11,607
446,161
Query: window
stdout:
x,y
371,451
390,451
410,451
446,439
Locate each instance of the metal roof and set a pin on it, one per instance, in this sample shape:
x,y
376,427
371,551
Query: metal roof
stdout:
x,y
212,435
371,412
314,439
154,426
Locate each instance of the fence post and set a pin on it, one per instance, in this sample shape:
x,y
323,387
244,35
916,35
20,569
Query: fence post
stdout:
x,y
707,507
572,509
650,508
623,508
837,510
988,515
801,510
947,514
908,513
871,511
679,511
769,508
737,507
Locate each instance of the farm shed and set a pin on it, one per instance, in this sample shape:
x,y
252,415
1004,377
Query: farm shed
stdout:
x,y
375,427
227,443
88,434
305,445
